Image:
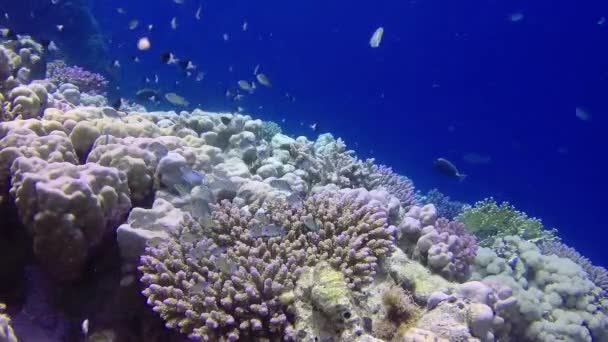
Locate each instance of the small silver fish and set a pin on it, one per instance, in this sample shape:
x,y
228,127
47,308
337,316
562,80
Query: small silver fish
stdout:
x,y
191,176
314,126
244,26
310,223
197,15
263,79
225,265
121,10
174,23
85,327
199,288
133,24
60,28
265,231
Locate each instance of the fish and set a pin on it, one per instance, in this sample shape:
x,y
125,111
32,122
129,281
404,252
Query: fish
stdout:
x,y
582,114
60,28
85,327
179,2
174,23
225,36
230,68
266,231
197,15
245,85
310,223
295,201
155,78
146,93
601,21
199,288
200,76
225,265
143,44
116,63
191,176
186,64
263,79
133,24
150,27
52,47
117,104
515,17
376,38
168,58
121,10
54,2
244,26
290,97
314,126
177,100
256,69
135,59
446,168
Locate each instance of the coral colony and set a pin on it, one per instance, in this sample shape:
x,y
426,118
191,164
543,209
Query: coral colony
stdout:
x,y
135,225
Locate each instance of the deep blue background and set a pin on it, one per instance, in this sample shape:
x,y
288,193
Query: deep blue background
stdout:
x,y
450,78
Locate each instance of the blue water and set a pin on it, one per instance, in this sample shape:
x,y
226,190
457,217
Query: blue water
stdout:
x,y
450,78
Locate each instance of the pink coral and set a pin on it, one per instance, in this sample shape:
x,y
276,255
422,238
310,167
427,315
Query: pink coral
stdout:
x,y
86,81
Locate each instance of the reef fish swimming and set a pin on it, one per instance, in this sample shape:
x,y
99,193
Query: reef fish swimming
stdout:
x,y
446,168
177,100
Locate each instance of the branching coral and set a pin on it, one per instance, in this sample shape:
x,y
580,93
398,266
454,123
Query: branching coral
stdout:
x,y
225,281
268,130
59,73
489,221
445,206
397,185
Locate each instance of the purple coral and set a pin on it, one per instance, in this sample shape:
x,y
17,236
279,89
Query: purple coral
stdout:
x,y
397,185
447,249
86,81
237,287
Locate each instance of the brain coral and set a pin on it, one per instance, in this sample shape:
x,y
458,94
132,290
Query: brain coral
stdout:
x,y
224,281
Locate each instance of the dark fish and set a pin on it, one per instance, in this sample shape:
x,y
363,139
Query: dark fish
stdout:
x,y
117,104
225,120
45,43
191,176
446,167
166,57
184,63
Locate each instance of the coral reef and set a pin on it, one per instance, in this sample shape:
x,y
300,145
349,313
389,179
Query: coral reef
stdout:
x,y
225,279
556,298
67,209
597,274
397,185
87,82
444,204
490,221
441,244
268,130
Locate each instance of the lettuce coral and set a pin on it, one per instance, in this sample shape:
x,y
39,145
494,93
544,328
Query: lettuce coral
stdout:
x,y
222,281
489,221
